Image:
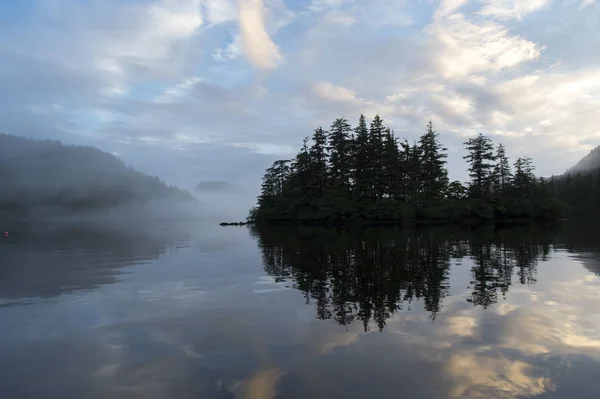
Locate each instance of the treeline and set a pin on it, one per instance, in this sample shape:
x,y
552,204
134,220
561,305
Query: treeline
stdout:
x,y
368,275
49,175
581,191
366,173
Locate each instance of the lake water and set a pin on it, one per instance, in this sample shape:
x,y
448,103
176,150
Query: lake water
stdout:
x,y
197,311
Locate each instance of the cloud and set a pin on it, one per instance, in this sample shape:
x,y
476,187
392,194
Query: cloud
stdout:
x,y
331,92
261,385
477,376
181,75
467,47
318,6
585,3
448,7
256,43
507,9
180,89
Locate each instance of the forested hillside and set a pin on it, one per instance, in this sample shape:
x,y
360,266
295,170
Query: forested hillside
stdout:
x,y
366,173
579,187
591,162
49,175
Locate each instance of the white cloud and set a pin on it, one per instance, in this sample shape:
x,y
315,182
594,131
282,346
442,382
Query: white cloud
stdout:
x,y
448,7
151,34
338,17
178,90
585,3
317,6
467,47
329,91
477,376
507,9
563,104
256,43
220,11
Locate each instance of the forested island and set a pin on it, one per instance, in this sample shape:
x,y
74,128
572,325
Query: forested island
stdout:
x,y
49,178
367,174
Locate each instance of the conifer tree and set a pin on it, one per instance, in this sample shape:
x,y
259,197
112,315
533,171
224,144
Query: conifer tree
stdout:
x,y
502,171
524,180
361,159
318,159
340,158
375,156
480,159
391,165
434,176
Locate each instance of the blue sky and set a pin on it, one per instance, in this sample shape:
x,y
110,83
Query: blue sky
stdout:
x,y
194,90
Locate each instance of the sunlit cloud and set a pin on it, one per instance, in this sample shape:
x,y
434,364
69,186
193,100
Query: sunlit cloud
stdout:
x,y
256,43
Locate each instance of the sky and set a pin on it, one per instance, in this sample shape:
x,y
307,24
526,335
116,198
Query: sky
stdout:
x,y
194,90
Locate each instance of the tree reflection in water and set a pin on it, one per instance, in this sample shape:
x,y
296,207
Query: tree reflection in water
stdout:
x,y
369,274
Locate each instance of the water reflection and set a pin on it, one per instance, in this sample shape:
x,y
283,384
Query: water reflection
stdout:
x,y
433,313
372,273
49,260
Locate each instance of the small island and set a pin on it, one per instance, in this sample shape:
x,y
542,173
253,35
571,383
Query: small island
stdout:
x,y
365,174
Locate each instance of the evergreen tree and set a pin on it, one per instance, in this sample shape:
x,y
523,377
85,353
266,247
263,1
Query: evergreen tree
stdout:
x,y
434,176
391,165
480,159
410,163
456,191
301,179
361,160
524,181
375,156
502,171
318,159
272,185
340,158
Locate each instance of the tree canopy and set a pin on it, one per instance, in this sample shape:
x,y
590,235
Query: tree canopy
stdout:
x,y
366,173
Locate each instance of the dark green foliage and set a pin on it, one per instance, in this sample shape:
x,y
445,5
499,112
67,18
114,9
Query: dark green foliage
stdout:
x,y
340,155
481,165
47,175
362,171
502,172
581,191
370,176
434,176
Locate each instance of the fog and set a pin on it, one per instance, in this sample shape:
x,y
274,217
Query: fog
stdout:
x,y
47,180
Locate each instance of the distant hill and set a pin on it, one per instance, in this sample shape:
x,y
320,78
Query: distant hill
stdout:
x,y
591,162
216,187
37,174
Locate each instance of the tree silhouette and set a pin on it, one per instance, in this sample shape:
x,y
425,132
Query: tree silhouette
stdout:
x,y
366,173
368,275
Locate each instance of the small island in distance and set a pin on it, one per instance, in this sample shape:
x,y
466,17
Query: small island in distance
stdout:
x,y
216,187
365,174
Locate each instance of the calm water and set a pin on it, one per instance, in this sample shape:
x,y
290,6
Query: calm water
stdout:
x,y
203,312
